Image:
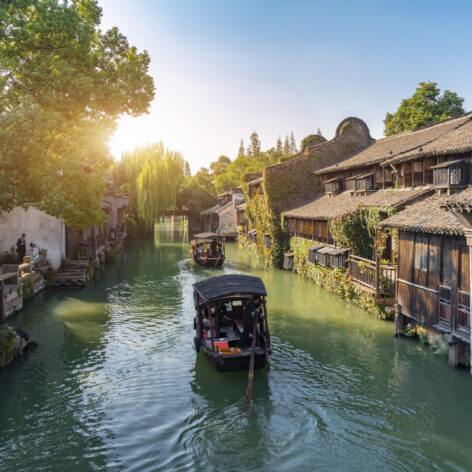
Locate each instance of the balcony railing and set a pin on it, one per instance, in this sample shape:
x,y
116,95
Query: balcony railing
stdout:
x,y
373,275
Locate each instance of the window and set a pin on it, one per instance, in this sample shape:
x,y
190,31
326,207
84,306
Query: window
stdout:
x,y
421,254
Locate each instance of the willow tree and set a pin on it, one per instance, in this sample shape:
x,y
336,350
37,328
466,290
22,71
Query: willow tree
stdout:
x,y
151,176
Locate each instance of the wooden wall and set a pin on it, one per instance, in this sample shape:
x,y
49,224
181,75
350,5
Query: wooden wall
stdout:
x,y
426,263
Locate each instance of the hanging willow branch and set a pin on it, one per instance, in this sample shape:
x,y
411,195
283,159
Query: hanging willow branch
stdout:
x,y
152,176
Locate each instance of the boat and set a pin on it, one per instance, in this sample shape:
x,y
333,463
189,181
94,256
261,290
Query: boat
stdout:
x,y
208,249
219,304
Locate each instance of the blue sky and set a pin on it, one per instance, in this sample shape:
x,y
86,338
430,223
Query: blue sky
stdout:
x,y
225,68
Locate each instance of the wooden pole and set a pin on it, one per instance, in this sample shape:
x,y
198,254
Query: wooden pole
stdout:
x,y
250,377
212,334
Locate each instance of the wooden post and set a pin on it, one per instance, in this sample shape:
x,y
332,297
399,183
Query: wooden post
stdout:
x,y
250,377
212,334
377,281
468,236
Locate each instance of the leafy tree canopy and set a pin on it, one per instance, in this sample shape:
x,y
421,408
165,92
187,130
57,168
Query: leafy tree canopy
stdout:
x,y
220,165
151,176
63,85
425,107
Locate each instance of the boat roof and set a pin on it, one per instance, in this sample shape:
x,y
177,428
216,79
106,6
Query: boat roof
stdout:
x,y
231,284
208,236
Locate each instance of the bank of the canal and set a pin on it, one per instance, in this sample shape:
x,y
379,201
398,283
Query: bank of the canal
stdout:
x,y
116,385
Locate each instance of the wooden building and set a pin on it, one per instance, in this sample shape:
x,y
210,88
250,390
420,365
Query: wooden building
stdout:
x,y
404,160
433,283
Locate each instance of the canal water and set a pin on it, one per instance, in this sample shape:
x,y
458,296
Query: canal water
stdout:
x,y
116,385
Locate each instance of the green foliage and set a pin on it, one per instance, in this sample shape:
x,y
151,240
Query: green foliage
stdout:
x,y
133,229
197,193
312,139
220,165
334,280
357,230
266,221
151,176
425,107
48,275
63,85
8,343
254,148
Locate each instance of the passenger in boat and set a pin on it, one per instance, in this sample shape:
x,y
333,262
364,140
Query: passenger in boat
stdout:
x,y
250,310
213,251
199,251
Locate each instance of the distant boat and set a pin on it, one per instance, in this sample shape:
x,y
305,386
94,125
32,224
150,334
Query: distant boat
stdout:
x,y
219,302
208,250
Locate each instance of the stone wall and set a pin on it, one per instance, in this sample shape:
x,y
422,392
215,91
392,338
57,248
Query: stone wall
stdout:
x,y
46,231
291,183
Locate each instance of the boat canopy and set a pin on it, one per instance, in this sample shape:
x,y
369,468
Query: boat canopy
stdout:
x,y
231,284
207,237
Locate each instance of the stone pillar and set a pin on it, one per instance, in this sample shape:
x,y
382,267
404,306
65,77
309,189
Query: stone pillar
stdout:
x,y
468,236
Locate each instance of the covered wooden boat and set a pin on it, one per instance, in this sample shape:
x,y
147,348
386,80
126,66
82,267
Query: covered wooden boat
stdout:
x,y
208,249
220,303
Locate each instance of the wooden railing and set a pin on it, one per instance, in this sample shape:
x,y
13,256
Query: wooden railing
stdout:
x,y
372,274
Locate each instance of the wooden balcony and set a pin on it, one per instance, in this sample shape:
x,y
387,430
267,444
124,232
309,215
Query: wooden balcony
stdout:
x,y
373,276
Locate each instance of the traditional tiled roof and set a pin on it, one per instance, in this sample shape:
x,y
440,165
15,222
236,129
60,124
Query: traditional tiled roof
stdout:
x,y
333,207
241,206
457,141
209,211
394,148
461,201
429,215
255,181
224,207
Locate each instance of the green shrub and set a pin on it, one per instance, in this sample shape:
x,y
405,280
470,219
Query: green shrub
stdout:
x,y
7,345
334,280
110,255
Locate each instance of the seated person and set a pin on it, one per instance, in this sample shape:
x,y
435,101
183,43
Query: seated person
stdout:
x,y
252,307
34,251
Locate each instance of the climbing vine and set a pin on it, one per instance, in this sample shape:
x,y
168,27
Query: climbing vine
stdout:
x,y
357,230
335,281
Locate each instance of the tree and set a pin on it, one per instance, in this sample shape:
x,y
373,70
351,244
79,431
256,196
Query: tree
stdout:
x,y
220,165
425,107
241,148
286,150
278,147
197,193
293,144
187,172
63,85
152,177
254,148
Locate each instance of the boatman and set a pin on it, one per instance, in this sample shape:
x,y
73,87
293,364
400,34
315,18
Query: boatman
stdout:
x,y
250,309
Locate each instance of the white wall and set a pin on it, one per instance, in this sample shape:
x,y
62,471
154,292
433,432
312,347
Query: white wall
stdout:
x,y
46,231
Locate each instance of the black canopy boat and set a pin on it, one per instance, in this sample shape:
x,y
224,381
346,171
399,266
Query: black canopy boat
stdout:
x,y
208,249
219,302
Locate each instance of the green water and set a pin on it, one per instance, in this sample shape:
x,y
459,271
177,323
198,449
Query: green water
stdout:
x,y
115,384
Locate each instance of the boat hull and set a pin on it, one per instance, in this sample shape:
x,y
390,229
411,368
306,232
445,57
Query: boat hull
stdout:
x,y
217,262
237,361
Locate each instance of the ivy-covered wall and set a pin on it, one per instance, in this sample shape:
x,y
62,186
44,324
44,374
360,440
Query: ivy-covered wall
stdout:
x,y
292,183
335,281
358,229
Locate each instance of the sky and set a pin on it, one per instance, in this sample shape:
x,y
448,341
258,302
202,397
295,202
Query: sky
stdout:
x,y
224,68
